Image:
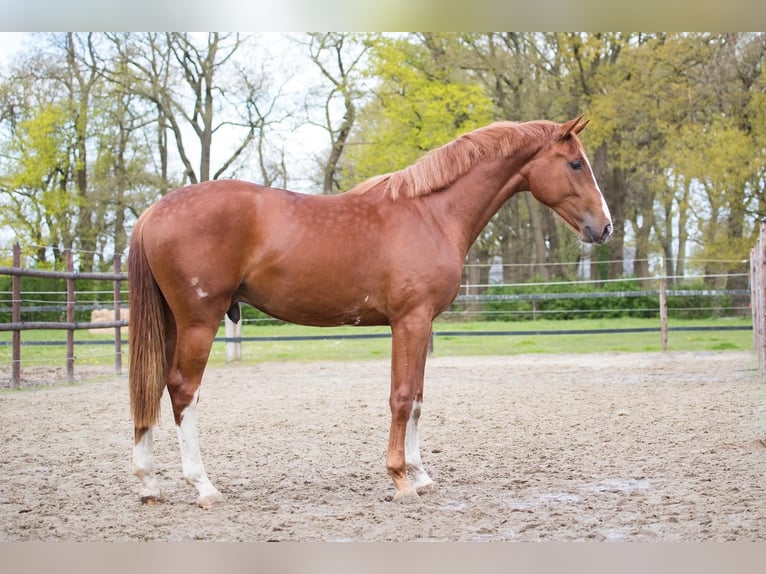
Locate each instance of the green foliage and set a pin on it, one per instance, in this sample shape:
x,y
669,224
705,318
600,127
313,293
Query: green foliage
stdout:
x,y
696,306
569,308
718,157
624,303
38,148
39,205
418,107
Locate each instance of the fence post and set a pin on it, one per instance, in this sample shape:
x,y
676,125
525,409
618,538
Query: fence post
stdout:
x,y
233,348
664,312
761,297
117,329
16,318
754,281
70,318
758,297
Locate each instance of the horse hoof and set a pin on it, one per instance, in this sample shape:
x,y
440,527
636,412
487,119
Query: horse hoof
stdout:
x,y
425,488
151,500
210,500
406,495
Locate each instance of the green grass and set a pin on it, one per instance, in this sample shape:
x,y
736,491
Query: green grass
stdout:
x,y
451,345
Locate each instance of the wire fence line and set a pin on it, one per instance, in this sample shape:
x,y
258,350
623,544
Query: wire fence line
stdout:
x,y
467,286
66,304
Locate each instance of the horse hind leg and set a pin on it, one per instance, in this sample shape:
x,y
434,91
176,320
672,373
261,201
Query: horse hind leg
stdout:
x,y
143,466
193,349
191,459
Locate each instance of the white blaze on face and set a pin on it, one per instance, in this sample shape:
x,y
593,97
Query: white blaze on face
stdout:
x,y
604,206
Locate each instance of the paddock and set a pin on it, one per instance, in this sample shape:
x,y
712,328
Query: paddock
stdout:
x,y
605,447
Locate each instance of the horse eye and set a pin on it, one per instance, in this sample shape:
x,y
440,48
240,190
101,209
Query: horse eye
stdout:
x,y
576,165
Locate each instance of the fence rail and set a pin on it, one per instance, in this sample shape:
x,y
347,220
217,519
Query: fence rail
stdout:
x,y
598,295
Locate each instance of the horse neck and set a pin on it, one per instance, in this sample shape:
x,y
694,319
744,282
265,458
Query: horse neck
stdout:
x,y
465,208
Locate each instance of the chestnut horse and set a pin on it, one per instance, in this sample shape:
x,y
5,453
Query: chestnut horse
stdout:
x,y
388,252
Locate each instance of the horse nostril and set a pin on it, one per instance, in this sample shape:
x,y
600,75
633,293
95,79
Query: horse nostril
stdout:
x,y
591,237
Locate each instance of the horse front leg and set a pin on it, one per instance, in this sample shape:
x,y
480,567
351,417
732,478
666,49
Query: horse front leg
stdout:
x,y
421,482
408,358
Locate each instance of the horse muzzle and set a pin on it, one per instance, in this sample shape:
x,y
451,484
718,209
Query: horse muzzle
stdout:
x,y
598,236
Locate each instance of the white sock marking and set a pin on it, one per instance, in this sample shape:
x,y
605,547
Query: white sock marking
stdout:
x,y
191,460
143,466
412,449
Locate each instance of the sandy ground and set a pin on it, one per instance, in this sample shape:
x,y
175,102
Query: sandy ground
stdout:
x,y
636,447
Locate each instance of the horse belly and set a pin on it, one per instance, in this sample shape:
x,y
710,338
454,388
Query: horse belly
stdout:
x,y
302,299
318,313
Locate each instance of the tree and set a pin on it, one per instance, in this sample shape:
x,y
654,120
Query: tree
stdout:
x,y
60,99
123,172
339,57
94,127
586,66
714,152
37,203
418,105
520,73
200,91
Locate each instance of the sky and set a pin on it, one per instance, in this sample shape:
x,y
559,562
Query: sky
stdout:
x,y
10,42
302,144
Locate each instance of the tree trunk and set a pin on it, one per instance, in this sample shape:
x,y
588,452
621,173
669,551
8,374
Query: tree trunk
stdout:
x,y
615,191
476,274
79,93
536,221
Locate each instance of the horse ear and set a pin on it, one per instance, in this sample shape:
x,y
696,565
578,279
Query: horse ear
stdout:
x,y
572,126
580,127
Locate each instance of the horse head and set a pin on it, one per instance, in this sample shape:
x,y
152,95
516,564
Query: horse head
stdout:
x,y
560,176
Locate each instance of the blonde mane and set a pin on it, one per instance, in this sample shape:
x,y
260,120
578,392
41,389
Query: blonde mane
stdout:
x,y
442,166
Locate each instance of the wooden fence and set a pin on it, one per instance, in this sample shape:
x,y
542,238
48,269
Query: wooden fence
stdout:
x,y
758,297
16,326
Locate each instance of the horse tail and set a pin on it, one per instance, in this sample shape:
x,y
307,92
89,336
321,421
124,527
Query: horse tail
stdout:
x,y
148,364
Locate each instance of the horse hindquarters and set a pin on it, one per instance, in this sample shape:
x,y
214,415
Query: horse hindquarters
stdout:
x,y
166,352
